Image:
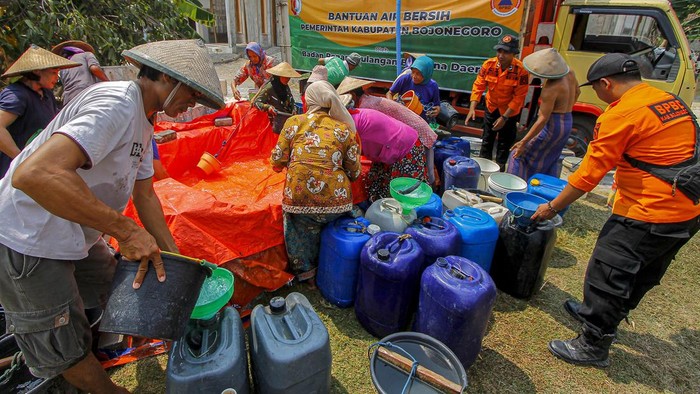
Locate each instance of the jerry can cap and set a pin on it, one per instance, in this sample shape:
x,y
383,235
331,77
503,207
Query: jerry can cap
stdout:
x,y
452,162
383,254
534,182
278,304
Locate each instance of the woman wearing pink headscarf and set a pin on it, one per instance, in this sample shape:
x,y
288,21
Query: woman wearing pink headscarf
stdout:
x,y
255,68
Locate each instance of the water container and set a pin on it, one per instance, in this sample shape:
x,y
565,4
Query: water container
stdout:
x,y
454,198
339,259
446,148
461,172
479,233
522,256
547,187
448,116
503,183
488,168
564,154
210,357
454,306
432,208
474,145
289,348
387,286
496,211
387,214
436,236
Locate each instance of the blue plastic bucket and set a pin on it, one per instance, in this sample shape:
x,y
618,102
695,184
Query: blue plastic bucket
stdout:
x,y
523,206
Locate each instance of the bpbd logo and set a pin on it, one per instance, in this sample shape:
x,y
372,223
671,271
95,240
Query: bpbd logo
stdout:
x,y
295,7
505,8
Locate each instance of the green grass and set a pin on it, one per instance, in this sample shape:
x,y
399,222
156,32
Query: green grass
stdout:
x,y
658,352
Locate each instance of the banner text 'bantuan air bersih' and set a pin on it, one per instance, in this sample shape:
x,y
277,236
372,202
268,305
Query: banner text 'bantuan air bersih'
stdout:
x,y
458,35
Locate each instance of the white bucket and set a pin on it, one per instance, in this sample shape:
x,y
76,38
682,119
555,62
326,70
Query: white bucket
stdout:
x,y
454,198
496,211
503,183
474,145
488,167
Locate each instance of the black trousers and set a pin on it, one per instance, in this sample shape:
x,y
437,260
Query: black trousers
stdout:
x,y
506,137
629,259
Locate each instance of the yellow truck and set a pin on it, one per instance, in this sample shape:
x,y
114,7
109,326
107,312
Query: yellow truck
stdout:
x,y
459,35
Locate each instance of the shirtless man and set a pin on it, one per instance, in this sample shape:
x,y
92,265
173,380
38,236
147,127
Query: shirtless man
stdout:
x,y
539,150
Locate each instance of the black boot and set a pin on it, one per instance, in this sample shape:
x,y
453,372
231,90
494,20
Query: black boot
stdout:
x,y
585,349
573,307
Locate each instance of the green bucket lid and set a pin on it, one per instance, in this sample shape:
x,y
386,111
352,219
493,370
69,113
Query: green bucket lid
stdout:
x,y
215,293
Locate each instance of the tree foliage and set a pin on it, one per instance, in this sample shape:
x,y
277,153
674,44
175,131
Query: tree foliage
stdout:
x,y
110,26
688,12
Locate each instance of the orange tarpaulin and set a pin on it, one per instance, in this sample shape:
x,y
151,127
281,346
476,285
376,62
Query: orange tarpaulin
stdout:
x,y
232,218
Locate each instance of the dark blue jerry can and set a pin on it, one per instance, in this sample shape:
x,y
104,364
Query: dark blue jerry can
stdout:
x,y
387,286
547,187
460,172
339,259
448,147
436,236
290,348
454,305
479,233
431,208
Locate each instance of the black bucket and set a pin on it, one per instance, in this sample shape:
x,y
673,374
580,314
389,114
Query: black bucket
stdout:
x,y
155,310
428,351
448,116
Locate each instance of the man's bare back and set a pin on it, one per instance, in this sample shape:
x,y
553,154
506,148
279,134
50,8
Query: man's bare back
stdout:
x,y
565,91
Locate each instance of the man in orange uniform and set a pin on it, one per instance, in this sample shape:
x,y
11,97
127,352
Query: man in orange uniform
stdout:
x,y
651,220
505,81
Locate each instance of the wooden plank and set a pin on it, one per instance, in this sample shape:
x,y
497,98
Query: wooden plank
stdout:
x,y
424,374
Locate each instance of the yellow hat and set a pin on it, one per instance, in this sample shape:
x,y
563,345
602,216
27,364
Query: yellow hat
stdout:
x,y
349,84
283,69
36,58
73,43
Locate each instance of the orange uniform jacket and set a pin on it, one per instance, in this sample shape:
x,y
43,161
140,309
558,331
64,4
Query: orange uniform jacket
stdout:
x,y
648,124
506,89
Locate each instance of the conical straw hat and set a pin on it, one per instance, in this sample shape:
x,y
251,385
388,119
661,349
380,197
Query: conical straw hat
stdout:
x,y
36,58
73,43
546,63
187,61
349,84
283,69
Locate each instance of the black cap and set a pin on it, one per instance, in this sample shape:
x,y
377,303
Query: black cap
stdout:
x,y
383,254
508,43
611,64
278,305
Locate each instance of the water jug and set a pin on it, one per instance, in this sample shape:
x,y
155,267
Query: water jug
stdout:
x,y
522,255
547,187
454,305
387,213
210,357
436,236
387,286
446,148
289,349
432,208
339,259
496,211
479,233
461,172
456,197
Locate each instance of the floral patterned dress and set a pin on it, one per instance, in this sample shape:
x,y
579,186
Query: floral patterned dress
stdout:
x,y
322,157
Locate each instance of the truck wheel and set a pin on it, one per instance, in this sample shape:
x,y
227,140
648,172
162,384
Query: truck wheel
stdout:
x,y
581,134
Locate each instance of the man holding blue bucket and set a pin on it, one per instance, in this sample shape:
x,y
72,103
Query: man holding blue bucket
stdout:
x,y
653,216
69,186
